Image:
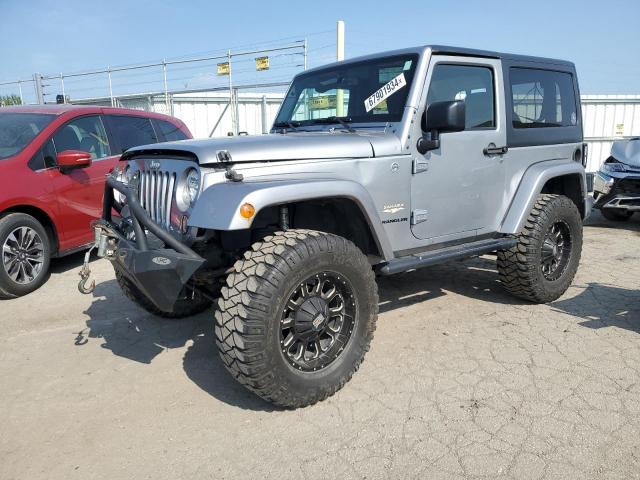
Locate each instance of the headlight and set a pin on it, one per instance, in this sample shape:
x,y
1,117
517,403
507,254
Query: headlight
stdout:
x,y
188,190
614,167
193,184
124,176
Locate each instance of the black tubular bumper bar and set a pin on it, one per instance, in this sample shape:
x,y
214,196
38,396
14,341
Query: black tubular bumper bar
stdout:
x,y
161,274
140,218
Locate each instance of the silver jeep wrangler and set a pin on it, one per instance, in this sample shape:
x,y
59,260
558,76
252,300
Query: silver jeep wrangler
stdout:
x,y
374,166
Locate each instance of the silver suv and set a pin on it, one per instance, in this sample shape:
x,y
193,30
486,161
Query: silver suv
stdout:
x,y
374,166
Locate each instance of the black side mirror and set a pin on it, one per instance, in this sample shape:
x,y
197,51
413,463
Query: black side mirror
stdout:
x,y
441,117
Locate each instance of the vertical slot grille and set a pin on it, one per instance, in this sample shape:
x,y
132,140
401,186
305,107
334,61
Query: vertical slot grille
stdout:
x,y
156,194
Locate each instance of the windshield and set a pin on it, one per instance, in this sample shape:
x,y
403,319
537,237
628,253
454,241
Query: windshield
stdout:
x,y
17,130
369,91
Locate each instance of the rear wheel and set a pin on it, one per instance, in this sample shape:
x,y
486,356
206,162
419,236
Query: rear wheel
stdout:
x,y
26,253
185,307
541,266
297,316
616,215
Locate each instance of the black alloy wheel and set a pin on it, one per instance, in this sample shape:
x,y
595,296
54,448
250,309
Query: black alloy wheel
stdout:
x,y
318,321
556,250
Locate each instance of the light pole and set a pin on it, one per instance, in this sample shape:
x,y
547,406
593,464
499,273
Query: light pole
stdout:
x,y
340,57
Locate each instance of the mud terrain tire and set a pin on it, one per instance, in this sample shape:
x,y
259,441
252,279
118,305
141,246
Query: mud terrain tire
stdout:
x,y
259,306
524,270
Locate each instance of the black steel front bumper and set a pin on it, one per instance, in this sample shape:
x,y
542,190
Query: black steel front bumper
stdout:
x,y
161,274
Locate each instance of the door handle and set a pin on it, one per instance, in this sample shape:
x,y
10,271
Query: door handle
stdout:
x,y
491,149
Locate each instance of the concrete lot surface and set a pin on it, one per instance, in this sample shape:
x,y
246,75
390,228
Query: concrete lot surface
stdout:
x,y
462,381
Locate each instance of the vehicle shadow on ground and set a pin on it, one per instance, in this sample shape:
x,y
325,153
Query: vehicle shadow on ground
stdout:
x,y
75,260
473,278
129,332
597,220
604,306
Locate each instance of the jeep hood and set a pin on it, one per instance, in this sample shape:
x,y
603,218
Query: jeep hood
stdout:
x,y
273,147
627,151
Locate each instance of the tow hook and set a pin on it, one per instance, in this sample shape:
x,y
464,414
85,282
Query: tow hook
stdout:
x,y
85,272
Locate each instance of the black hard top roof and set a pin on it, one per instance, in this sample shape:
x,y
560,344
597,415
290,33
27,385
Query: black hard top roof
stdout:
x,y
448,50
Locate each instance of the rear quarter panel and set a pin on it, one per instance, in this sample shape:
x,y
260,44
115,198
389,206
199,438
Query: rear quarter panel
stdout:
x,y
527,179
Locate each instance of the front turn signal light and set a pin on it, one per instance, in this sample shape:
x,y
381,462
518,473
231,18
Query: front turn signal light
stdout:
x,y
247,211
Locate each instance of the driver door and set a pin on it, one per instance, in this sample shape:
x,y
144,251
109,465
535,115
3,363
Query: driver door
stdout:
x,y
79,191
457,189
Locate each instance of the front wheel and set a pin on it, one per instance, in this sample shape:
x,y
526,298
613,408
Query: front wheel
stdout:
x,y
541,266
297,316
25,255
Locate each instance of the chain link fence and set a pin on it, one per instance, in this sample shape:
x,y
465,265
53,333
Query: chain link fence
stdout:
x,y
222,87
124,85
17,92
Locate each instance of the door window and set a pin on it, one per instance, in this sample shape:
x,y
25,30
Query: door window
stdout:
x,y
44,158
472,84
86,134
132,131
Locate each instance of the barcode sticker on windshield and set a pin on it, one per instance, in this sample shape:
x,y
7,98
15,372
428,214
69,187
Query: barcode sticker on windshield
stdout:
x,y
388,89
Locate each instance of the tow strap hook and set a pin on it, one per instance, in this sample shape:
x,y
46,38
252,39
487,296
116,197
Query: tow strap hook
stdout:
x,y
85,272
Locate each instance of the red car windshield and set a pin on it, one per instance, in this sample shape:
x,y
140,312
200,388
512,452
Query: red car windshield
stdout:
x,y
17,130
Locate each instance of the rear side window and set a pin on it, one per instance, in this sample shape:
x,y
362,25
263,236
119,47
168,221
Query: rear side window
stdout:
x,y
542,98
132,131
169,131
472,84
17,130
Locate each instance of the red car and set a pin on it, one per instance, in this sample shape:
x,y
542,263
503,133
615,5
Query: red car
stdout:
x,y
53,163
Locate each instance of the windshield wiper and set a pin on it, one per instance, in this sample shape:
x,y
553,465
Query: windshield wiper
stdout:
x,y
292,125
344,121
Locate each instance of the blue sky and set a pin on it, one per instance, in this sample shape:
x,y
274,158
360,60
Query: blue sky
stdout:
x,y
602,38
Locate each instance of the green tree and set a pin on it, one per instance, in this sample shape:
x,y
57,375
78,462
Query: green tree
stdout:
x,y
13,99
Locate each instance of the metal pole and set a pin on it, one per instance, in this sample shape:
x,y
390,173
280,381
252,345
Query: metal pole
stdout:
x,y
166,87
340,40
37,82
110,86
265,115
64,97
340,57
304,50
231,99
20,90
236,130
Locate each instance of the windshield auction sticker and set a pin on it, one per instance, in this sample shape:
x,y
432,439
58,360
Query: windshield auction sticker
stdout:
x,y
388,89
